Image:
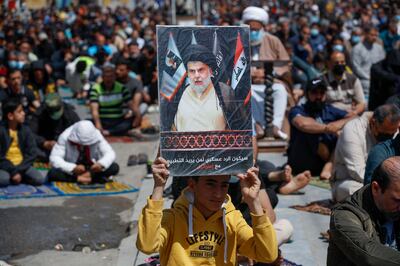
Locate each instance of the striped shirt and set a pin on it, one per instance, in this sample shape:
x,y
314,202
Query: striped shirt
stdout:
x,y
110,102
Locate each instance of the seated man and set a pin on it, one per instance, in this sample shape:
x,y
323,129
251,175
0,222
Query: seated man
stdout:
x,y
265,46
82,155
203,226
344,89
315,126
134,86
77,75
364,229
50,121
16,88
40,81
17,150
378,154
354,143
106,104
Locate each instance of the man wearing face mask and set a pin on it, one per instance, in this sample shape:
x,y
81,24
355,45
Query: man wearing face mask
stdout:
x,y
344,89
314,129
364,55
265,46
354,143
364,229
317,40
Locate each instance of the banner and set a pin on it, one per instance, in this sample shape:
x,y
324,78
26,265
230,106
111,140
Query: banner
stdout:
x,y
204,88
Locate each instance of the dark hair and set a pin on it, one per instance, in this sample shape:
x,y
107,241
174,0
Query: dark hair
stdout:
x,y
12,71
367,29
10,106
389,111
80,66
381,177
123,61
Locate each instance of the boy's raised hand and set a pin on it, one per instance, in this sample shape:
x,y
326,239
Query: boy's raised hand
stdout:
x,y
160,176
250,185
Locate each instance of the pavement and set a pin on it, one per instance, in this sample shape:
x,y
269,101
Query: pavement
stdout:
x,y
30,229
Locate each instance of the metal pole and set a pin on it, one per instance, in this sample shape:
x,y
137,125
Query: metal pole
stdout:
x,y
173,12
198,8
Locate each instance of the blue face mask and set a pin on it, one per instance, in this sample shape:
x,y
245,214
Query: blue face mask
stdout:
x,y
13,64
338,47
355,39
314,32
314,19
256,35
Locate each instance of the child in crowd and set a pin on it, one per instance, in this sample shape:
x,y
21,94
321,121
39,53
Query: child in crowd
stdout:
x,y
17,147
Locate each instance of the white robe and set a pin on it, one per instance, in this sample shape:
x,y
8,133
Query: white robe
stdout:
x,y
202,113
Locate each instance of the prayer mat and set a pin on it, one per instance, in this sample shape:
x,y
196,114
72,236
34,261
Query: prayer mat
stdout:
x,y
315,181
321,207
119,139
57,189
41,166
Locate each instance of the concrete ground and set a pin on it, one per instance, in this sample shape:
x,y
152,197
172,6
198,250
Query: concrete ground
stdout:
x,y
31,228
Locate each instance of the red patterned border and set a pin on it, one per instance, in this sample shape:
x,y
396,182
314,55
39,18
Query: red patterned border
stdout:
x,y
206,140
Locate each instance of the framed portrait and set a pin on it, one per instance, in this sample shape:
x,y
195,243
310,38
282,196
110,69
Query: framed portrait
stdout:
x,y
205,97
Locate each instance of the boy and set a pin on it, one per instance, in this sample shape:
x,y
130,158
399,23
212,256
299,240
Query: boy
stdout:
x,y
17,147
203,226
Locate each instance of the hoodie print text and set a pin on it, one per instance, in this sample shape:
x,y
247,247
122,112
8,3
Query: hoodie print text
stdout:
x,y
208,241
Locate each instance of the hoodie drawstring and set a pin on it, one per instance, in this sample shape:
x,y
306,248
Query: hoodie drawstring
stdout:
x,y
189,196
226,239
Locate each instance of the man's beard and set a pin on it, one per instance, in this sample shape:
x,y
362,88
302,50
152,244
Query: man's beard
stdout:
x,y
199,89
314,108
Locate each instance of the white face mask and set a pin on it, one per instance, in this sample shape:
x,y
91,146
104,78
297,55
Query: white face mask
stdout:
x,y
199,89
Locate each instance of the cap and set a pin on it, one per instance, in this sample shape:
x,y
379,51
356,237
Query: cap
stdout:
x,y
255,13
54,105
43,36
316,83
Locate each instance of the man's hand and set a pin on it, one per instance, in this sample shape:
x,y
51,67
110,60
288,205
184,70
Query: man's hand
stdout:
x,y
79,169
137,119
250,184
96,168
16,179
105,133
333,127
49,144
128,114
160,176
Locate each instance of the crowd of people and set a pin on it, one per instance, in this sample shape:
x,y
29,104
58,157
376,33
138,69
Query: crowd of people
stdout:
x,y
335,95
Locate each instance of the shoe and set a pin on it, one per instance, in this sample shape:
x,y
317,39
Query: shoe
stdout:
x,y
133,160
142,158
150,130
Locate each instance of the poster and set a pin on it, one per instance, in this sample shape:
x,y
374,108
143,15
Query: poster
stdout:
x,y
204,92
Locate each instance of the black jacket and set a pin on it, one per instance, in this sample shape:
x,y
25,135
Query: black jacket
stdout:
x,y
356,233
26,145
385,80
45,128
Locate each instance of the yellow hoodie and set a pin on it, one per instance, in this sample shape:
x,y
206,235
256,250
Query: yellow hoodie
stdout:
x,y
215,240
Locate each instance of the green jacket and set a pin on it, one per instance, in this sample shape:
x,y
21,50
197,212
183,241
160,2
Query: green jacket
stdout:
x,y
356,235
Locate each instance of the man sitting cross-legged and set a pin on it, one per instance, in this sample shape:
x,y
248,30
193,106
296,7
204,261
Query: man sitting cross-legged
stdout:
x,y
82,155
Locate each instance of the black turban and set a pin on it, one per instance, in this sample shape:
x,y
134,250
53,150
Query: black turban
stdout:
x,y
197,52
